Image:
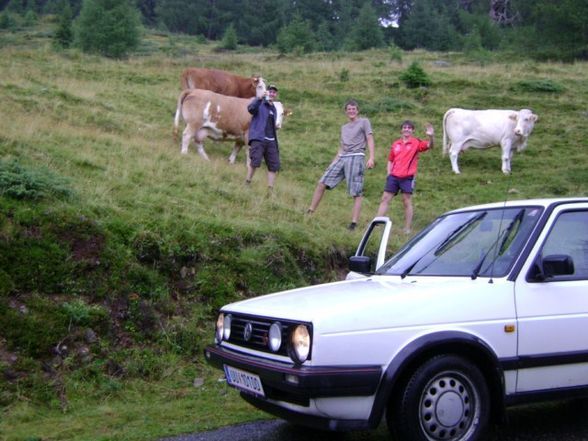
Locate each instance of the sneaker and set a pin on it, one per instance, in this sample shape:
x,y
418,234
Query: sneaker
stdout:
x,y
352,226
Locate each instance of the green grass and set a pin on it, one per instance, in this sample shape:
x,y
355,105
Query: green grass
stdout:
x,y
105,226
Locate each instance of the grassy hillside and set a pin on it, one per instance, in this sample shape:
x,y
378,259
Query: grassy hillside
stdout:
x,y
115,250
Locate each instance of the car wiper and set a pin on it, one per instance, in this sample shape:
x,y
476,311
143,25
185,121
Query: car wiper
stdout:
x,y
517,218
457,231
440,248
505,235
410,267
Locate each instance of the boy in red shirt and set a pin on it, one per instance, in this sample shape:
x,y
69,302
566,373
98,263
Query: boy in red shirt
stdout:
x,y
402,169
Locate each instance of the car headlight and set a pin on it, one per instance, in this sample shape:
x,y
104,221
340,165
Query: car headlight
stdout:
x,y
220,321
300,343
275,336
227,326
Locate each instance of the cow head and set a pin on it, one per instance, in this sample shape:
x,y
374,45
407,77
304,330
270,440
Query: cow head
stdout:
x,y
525,122
260,86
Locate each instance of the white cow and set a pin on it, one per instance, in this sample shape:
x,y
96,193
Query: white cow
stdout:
x,y
485,128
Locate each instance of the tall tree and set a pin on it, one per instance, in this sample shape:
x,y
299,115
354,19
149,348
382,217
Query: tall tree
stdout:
x,y
260,21
108,27
367,32
182,16
563,25
64,34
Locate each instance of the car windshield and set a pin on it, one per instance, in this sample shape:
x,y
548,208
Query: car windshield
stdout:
x,y
481,243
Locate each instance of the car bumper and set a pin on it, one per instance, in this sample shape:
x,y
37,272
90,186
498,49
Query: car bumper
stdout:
x,y
299,384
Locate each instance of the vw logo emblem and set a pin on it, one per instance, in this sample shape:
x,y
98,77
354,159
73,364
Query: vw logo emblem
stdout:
x,y
248,331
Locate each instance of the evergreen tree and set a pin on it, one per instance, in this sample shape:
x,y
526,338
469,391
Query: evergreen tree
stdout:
x,y
229,41
181,16
16,6
367,32
296,37
260,21
107,27
325,41
64,35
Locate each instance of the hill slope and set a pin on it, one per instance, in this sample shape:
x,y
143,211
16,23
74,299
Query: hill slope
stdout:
x,y
115,250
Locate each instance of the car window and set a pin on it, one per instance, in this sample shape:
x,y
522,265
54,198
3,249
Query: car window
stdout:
x,y
569,236
473,243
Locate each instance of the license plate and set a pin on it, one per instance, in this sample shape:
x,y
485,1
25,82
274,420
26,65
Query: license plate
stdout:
x,y
244,380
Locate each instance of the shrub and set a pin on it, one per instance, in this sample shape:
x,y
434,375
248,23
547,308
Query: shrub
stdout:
x,y
8,21
229,41
415,76
64,35
296,37
344,75
18,182
395,53
538,86
107,27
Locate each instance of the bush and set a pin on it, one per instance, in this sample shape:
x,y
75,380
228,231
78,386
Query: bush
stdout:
x,y
229,41
296,37
395,53
64,35
344,75
108,27
415,76
18,182
8,21
538,86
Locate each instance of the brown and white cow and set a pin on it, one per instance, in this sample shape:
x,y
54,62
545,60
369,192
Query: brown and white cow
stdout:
x,y
485,128
219,117
220,81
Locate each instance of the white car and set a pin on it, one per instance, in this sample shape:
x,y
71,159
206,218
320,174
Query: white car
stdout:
x,y
485,308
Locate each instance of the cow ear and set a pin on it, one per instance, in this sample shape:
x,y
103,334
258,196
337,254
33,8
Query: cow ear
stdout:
x,y
534,117
513,116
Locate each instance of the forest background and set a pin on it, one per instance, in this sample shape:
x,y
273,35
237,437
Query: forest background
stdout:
x,y
543,29
116,251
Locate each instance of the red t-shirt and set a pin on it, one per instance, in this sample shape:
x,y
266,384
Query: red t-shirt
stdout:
x,y
404,156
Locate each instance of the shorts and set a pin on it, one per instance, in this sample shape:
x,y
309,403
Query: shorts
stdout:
x,y
266,150
394,184
351,168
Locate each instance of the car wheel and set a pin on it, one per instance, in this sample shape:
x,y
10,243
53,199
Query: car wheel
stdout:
x,y
445,399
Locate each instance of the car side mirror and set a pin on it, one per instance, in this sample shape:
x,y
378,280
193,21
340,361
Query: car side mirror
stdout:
x,y
558,265
551,266
360,264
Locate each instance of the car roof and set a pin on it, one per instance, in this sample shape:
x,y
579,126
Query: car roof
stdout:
x,y
546,202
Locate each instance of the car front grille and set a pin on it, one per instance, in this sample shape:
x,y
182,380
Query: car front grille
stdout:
x,y
258,332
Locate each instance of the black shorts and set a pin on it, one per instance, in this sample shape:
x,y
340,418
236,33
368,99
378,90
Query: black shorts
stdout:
x,y
266,150
394,184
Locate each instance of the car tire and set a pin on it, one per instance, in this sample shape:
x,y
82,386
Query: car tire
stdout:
x,y
445,399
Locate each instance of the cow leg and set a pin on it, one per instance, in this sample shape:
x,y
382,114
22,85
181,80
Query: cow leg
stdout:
x,y
199,138
506,157
236,149
453,156
186,138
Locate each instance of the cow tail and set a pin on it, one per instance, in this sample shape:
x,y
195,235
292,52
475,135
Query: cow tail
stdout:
x,y
178,115
445,137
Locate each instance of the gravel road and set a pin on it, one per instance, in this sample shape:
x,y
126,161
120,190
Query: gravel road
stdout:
x,y
561,421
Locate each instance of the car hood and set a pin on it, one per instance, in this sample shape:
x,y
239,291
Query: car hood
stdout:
x,y
384,301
